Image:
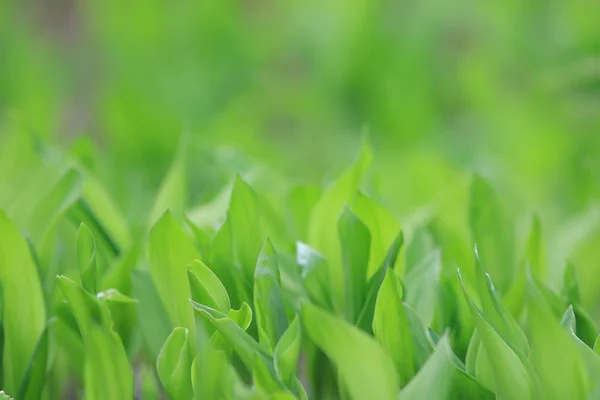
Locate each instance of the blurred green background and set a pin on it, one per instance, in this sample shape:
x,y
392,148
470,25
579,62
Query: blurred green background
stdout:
x,y
510,90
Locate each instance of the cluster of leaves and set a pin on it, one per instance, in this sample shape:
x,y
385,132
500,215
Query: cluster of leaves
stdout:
x,y
324,297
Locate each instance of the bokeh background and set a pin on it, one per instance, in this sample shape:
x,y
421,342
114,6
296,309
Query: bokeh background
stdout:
x,y
509,90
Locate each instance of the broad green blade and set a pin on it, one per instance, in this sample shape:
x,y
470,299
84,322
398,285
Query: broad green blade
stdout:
x,y
355,243
512,378
492,231
24,313
172,194
442,378
268,298
174,365
315,274
86,257
392,329
107,373
33,382
206,288
554,354
287,353
170,251
322,227
422,286
383,227
366,370
153,319
244,226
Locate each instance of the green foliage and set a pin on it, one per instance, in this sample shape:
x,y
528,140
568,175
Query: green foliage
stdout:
x,y
280,290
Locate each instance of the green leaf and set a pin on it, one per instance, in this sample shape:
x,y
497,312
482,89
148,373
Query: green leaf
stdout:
x,y
243,344
34,380
492,231
212,376
206,288
170,251
4,396
391,327
315,275
590,357
172,194
107,373
153,319
287,353
301,200
443,378
366,371
268,299
571,285
512,378
322,233
383,227
24,315
355,242
535,252
54,204
174,365
103,216
86,257
495,311
244,226
422,286
554,354
365,318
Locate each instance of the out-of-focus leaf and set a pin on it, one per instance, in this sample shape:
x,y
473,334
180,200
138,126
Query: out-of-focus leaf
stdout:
x,y
287,353
366,371
119,274
107,373
512,378
174,365
52,206
355,242
391,327
315,274
554,354
106,215
4,396
86,258
571,285
494,310
322,226
206,288
383,227
244,227
153,318
492,231
33,382
268,299
170,251
590,357
421,343
301,200
535,253
422,286
443,378
365,318
24,313
212,376
172,194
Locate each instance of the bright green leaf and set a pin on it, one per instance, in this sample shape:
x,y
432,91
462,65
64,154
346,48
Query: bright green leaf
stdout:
x,y
366,371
